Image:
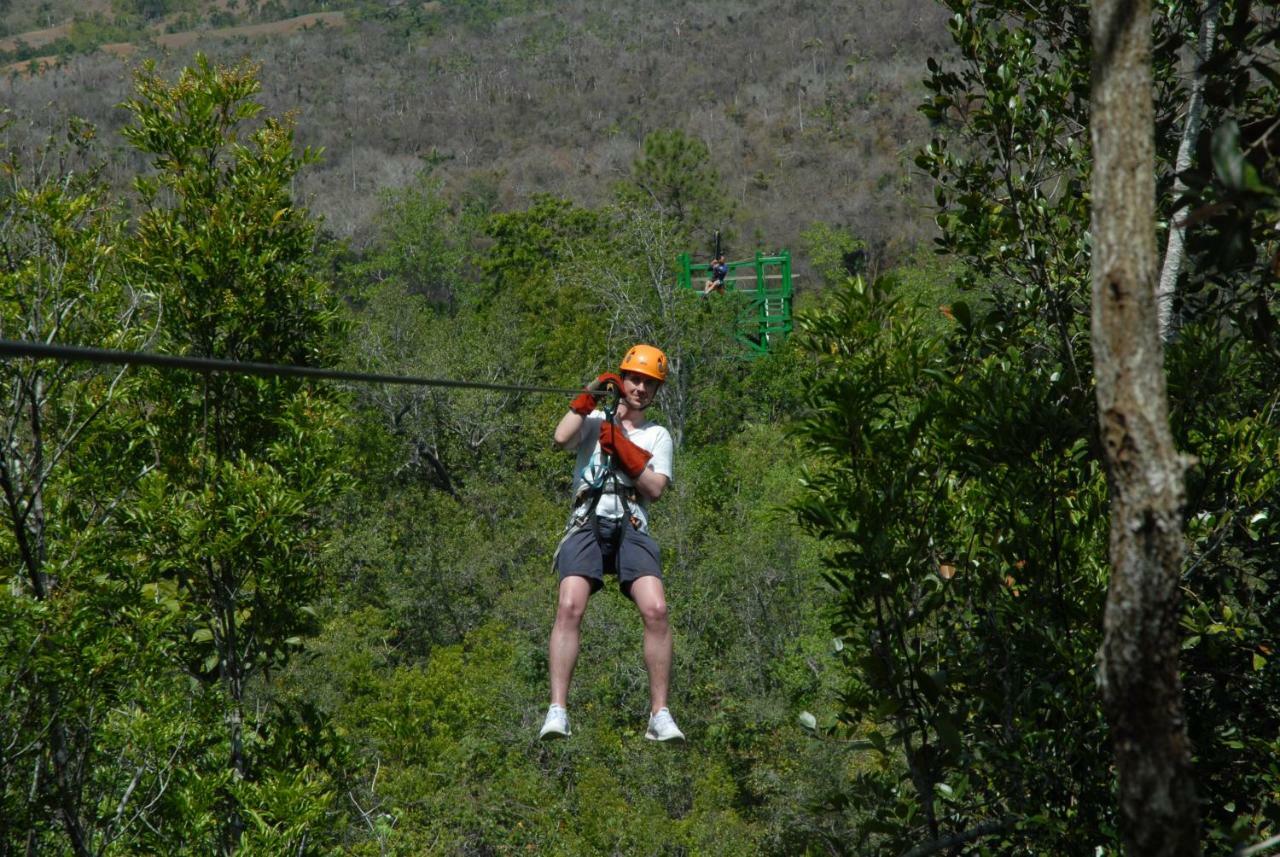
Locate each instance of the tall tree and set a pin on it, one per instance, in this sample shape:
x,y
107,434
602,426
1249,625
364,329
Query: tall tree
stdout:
x,y
675,174
234,514
1139,670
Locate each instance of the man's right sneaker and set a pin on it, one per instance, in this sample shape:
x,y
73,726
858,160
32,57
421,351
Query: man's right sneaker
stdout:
x,y
662,727
557,723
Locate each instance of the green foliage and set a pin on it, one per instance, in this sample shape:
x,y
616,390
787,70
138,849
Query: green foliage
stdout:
x,y
220,230
420,245
95,716
525,268
529,244
244,516
1015,217
965,513
961,488
835,254
1232,197
675,176
74,772
1223,392
233,518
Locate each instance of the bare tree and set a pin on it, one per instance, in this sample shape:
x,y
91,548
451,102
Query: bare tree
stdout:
x,y
1175,248
635,285
1141,689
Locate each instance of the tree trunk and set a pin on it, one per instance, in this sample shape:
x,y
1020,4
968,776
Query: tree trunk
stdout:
x,y
1175,248
1139,658
232,669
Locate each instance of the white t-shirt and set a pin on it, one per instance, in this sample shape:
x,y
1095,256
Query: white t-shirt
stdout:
x,y
589,467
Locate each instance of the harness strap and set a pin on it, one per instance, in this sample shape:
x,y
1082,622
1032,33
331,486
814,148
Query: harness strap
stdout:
x,y
609,484
627,515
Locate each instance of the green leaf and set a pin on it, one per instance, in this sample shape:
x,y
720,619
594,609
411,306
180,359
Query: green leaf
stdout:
x,y
948,734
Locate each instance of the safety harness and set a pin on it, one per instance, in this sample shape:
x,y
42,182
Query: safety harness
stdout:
x,y
587,497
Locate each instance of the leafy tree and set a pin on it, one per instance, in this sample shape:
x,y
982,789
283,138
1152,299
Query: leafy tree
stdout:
x,y
527,270
675,176
835,254
1014,373
62,284
419,244
234,516
69,456
447,330
960,504
1015,216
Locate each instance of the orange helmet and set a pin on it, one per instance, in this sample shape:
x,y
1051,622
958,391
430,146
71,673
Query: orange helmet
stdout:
x,y
646,360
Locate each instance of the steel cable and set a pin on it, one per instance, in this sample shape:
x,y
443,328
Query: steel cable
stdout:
x,y
82,354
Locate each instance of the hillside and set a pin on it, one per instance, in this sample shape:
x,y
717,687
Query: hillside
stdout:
x,y
809,111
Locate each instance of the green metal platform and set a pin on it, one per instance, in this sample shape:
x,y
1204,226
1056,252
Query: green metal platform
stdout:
x,y
763,285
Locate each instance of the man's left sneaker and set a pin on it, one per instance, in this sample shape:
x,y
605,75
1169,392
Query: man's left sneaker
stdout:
x,y
662,727
556,725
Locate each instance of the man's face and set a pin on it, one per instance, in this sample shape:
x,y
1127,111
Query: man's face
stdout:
x,y
638,390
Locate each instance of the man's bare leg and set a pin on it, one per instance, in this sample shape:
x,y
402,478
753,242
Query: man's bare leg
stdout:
x,y
563,650
650,599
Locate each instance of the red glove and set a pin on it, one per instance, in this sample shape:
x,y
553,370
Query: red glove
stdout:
x,y
615,442
585,402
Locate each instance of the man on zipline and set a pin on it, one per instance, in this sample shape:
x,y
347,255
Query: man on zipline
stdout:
x,y
719,270
622,466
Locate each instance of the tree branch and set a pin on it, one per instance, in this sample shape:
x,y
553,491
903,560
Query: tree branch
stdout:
x,y
951,840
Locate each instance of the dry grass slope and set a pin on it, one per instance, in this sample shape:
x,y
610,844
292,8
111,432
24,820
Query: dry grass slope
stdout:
x,y
808,110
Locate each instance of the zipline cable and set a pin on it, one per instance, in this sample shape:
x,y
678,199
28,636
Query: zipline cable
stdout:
x,y
82,354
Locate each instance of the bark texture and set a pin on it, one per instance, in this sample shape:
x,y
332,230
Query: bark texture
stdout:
x,y
1139,658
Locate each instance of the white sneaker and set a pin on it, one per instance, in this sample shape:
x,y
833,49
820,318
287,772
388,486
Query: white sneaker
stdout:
x,y
662,727
557,723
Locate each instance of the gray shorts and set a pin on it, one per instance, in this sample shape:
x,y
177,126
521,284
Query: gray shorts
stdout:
x,y
636,556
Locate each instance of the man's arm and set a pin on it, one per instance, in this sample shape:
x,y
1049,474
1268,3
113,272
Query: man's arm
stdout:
x,y
566,436
656,476
582,406
651,484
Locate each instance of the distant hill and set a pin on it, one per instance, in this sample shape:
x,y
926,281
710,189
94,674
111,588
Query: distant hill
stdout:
x,y
809,109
